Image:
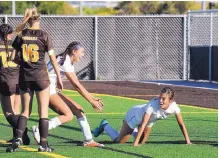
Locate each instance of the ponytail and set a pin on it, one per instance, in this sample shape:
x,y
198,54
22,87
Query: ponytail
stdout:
x,y
72,46
5,29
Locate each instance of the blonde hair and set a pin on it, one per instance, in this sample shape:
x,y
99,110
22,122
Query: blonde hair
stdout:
x,y
33,15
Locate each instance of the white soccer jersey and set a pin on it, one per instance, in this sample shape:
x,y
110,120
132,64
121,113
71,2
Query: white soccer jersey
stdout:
x,y
66,67
135,115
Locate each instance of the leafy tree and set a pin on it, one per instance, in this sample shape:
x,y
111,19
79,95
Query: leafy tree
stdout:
x,y
157,7
99,11
5,7
44,7
69,10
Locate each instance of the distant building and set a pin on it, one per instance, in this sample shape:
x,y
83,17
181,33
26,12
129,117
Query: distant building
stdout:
x,y
95,4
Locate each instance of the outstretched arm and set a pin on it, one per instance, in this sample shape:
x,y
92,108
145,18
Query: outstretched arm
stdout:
x,y
96,103
183,127
27,15
147,131
141,128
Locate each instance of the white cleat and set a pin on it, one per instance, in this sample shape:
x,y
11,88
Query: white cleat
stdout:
x,y
36,134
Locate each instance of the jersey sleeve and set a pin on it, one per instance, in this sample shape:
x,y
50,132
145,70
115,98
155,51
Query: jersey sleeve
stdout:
x,y
151,106
67,66
17,58
17,43
49,45
176,109
149,110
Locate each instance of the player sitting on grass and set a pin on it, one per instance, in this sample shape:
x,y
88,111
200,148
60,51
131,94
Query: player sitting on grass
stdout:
x,y
143,117
65,106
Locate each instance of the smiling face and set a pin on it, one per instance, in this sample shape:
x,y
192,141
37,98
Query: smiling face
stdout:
x,y
76,55
166,97
165,101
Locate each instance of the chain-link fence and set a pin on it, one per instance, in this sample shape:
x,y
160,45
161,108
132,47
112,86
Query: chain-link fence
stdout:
x,y
121,47
142,48
64,30
202,40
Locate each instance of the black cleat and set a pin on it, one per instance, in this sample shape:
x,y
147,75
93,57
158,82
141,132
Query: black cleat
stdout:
x,y
10,141
25,138
45,148
15,144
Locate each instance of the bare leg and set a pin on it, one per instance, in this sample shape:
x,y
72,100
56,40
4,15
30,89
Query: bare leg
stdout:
x,y
17,104
59,106
43,105
125,133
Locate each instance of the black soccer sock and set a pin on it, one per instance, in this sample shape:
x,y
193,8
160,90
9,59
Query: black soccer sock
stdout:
x,y
43,129
21,126
14,132
12,120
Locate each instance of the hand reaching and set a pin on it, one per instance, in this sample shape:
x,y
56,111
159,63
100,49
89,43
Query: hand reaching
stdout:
x,y
59,83
97,104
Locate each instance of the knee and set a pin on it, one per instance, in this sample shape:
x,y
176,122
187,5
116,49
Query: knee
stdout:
x,y
69,117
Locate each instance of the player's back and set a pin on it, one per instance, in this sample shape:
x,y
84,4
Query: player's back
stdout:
x,y
9,71
33,44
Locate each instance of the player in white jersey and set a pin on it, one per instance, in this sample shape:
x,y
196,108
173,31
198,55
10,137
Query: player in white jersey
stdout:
x,y
142,118
65,106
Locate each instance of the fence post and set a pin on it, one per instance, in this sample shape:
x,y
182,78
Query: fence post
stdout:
x,y
210,61
184,48
6,19
188,45
95,48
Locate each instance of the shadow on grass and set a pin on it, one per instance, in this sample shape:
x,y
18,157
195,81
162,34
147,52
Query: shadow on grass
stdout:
x,y
125,152
108,148
195,142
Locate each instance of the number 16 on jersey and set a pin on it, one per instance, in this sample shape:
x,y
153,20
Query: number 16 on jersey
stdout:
x,y
30,52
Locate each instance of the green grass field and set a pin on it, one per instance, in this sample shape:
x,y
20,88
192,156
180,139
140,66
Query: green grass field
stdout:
x,y
165,140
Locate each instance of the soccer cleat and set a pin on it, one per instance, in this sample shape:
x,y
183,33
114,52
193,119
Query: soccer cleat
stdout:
x,y
92,144
100,129
25,138
15,144
45,149
36,134
11,140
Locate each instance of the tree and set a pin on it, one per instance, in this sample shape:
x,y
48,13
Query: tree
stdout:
x,y
69,10
5,7
99,11
157,7
44,7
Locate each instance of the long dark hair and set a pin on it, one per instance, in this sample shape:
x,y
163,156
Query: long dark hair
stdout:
x,y
72,46
5,29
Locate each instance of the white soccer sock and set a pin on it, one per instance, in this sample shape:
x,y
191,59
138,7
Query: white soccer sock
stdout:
x,y
54,122
111,132
135,132
85,128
